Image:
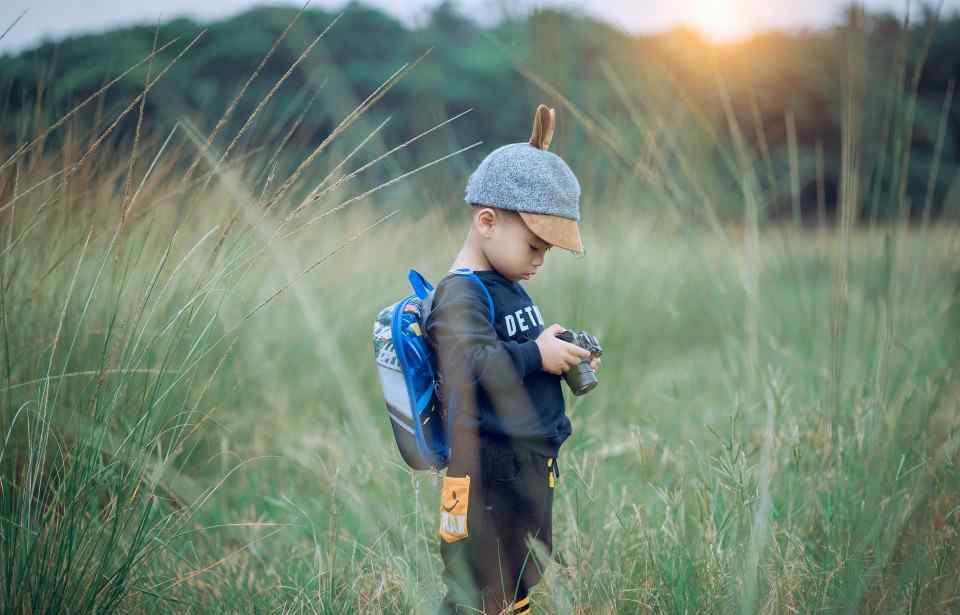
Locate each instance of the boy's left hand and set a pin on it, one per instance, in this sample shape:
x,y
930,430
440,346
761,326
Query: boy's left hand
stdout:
x,y
595,364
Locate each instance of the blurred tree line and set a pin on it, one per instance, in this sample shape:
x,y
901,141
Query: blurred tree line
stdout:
x,y
769,110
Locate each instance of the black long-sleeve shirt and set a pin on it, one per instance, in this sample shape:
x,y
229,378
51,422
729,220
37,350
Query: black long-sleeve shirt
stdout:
x,y
492,377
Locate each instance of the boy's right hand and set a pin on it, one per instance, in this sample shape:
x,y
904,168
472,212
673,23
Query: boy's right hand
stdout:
x,y
557,355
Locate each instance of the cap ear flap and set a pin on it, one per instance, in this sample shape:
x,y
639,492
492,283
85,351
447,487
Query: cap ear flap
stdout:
x,y
544,122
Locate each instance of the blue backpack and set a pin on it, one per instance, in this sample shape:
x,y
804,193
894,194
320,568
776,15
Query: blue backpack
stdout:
x,y
407,369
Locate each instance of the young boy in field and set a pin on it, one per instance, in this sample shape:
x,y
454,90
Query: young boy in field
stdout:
x,y
500,380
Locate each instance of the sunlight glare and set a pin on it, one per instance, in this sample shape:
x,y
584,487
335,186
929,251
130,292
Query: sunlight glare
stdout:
x,y
720,20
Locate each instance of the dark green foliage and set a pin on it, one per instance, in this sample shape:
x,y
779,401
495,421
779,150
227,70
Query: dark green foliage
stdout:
x,y
472,66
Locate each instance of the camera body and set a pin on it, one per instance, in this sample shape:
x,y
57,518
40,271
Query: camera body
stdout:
x,y
581,378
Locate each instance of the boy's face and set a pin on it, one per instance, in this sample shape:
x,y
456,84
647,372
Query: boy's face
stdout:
x,y
512,248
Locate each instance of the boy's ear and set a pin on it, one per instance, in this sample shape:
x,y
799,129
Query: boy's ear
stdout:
x,y
485,219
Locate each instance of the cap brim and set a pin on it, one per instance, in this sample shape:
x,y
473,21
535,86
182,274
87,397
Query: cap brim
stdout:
x,y
557,231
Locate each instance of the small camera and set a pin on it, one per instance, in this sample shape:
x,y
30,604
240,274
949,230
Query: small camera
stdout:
x,y
581,378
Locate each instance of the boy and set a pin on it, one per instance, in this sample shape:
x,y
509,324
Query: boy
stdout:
x,y
500,381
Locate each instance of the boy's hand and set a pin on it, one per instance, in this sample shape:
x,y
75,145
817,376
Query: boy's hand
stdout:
x,y
557,355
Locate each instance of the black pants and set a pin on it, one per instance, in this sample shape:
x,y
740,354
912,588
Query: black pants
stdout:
x,y
493,562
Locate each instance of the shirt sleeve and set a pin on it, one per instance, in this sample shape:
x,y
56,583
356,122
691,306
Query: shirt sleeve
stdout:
x,y
459,327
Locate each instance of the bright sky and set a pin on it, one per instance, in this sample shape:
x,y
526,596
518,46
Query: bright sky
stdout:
x,y
718,19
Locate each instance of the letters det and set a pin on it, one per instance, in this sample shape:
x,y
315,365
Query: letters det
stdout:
x,y
523,320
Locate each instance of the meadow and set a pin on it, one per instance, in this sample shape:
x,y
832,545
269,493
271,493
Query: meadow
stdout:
x,y
192,422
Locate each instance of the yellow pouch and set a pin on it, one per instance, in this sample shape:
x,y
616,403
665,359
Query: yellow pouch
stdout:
x,y
454,497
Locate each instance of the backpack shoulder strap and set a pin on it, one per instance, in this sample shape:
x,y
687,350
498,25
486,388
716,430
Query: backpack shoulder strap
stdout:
x,y
419,283
466,271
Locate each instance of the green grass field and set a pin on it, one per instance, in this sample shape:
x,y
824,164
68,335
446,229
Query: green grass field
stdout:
x,y
164,452
192,423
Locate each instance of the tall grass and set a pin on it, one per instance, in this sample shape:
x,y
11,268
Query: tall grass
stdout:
x,y
192,423
126,286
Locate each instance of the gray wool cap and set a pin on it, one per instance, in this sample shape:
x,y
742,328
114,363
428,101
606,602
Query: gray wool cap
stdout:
x,y
521,177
